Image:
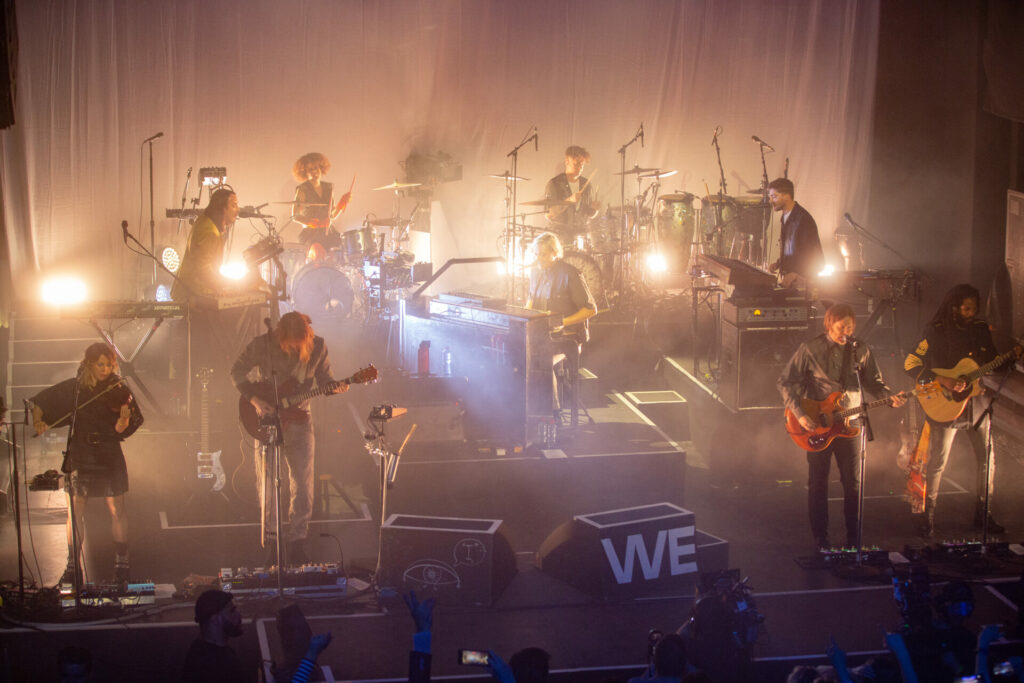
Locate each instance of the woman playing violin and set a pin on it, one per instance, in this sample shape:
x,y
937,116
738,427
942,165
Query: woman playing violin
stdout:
x,y
107,415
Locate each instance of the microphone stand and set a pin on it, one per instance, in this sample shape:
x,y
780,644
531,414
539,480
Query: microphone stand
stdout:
x,y
989,452
864,231
152,222
274,446
510,210
65,467
617,280
866,435
723,190
16,485
766,210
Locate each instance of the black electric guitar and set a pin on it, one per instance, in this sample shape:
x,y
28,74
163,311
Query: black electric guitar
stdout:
x,y
291,398
208,465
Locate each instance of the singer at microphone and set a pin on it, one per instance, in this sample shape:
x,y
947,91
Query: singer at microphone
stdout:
x,y
820,378
571,198
297,357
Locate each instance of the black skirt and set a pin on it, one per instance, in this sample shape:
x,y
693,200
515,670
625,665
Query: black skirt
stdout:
x,y
98,470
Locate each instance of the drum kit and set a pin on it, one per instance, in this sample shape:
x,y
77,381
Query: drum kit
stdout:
x,y
330,281
619,250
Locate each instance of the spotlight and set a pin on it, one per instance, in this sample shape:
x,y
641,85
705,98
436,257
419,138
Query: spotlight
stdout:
x,y
656,262
213,175
63,291
170,258
233,270
827,271
163,293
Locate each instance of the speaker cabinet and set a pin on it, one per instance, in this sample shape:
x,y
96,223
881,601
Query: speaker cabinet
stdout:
x,y
459,561
752,359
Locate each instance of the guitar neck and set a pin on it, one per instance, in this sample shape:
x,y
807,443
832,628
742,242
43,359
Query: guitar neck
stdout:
x,y
856,410
990,366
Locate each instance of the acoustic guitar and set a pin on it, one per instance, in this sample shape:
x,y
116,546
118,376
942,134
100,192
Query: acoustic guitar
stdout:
x,y
831,420
291,398
944,405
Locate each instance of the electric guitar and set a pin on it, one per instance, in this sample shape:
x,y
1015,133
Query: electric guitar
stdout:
x,y
944,405
830,419
208,464
291,398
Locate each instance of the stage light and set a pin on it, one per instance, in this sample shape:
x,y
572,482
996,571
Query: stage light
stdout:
x,y
656,262
827,271
163,293
233,270
63,291
171,259
211,176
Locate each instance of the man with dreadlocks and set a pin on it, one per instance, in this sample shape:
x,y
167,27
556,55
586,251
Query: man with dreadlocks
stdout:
x,y
290,351
954,333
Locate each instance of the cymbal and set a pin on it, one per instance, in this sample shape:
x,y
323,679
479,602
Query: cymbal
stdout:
x,y
526,213
546,202
755,191
658,174
637,169
397,186
297,203
505,176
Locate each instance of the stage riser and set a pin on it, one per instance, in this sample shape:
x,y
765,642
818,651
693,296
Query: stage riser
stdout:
x,y
534,496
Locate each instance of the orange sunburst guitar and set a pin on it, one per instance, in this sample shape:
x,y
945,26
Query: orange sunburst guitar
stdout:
x,y
917,463
831,419
944,405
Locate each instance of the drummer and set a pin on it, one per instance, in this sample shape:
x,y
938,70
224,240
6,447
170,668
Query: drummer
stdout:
x,y
572,200
314,206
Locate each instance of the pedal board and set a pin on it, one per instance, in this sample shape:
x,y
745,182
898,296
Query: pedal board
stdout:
x,y
109,594
316,579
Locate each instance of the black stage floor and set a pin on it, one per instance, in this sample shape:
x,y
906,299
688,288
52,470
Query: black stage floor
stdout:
x,y
738,473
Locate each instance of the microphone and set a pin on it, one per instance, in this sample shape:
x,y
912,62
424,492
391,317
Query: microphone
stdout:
x,y
641,133
762,143
189,174
853,341
124,231
152,137
536,143
28,412
850,221
718,131
261,206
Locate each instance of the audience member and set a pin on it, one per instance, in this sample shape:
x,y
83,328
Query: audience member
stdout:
x,y
209,658
669,663
75,664
530,665
422,614
317,644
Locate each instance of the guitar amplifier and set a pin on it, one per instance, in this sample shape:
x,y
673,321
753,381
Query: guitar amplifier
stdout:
x,y
752,359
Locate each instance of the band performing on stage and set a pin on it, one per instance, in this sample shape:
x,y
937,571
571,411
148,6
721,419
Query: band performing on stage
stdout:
x,y
753,297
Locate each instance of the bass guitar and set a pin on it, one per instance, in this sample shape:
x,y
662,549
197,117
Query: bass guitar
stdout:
x,y
944,405
831,420
291,398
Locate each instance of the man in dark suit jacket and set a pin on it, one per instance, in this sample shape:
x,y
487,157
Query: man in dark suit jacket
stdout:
x,y
801,256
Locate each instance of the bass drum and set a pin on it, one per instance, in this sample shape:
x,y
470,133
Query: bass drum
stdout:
x,y
591,274
323,292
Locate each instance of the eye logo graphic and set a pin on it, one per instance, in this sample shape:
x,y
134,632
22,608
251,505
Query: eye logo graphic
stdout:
x,y
431,574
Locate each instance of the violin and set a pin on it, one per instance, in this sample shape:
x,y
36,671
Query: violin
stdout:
x,y
115,394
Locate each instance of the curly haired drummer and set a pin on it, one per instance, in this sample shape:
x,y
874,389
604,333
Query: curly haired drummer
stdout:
x,y
314,206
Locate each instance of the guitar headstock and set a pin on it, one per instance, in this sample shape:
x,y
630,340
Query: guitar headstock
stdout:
x,y
204,375
364,375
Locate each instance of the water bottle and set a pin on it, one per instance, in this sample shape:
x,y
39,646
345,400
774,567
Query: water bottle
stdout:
x,y
423,359
446,361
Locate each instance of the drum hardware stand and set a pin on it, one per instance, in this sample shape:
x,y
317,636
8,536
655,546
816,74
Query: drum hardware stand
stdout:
x,y
377,445
618,279
512,263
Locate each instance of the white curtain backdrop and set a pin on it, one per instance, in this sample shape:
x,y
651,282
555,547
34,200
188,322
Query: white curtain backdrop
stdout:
x,y
253,84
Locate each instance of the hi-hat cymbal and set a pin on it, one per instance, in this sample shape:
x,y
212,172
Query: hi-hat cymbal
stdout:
x,y
755,191
546,202
296,202
637,170
505,176
658,174
397,186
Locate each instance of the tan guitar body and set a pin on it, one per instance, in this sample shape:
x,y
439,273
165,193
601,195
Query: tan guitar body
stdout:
x,y
944,405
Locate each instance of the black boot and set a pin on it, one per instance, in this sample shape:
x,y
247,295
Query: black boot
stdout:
x,y
926,524
994,527
121,563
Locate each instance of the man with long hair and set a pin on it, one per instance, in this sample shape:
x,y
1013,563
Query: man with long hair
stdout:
x,y
298,359
819,368
107,415
199,274
954,332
